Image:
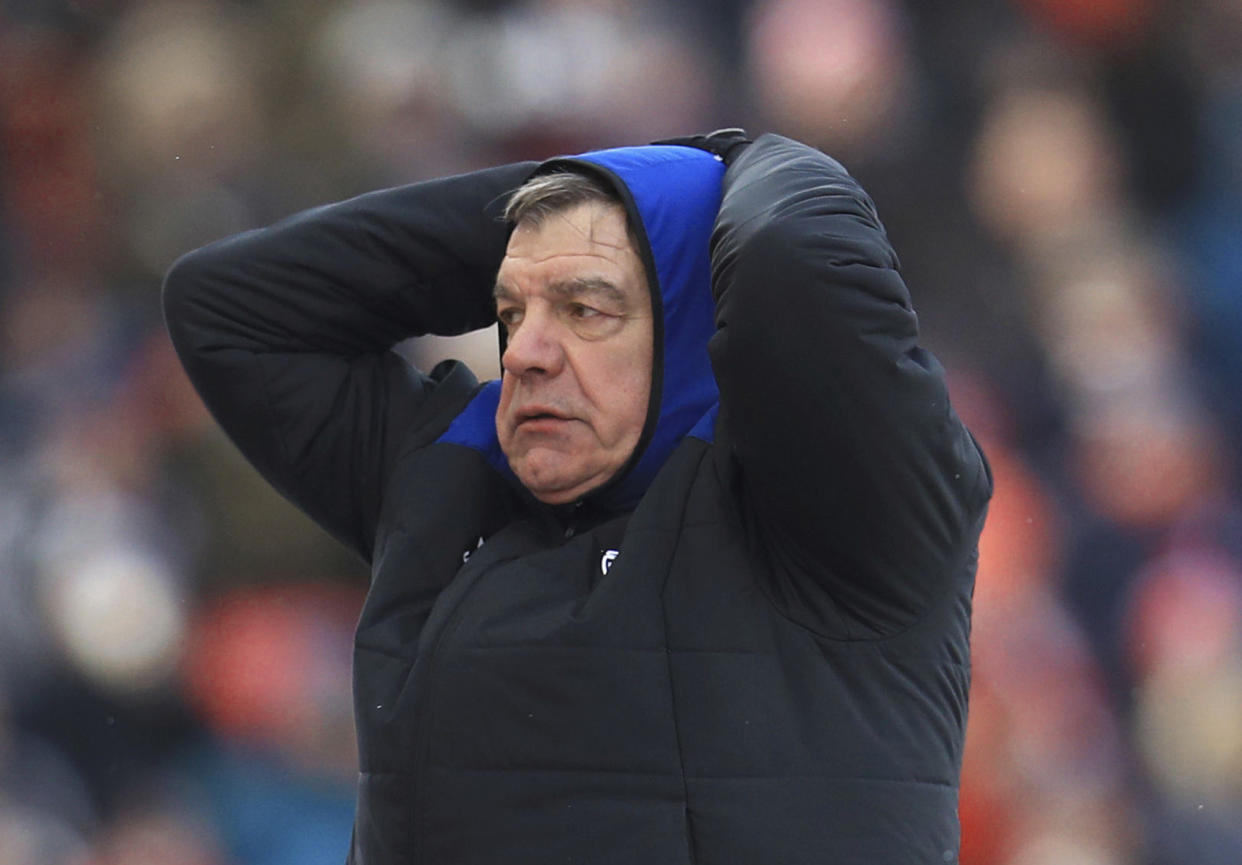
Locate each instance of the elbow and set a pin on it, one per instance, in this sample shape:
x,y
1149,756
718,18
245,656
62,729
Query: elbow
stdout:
x,y
182,283
185,295
178,284
189,276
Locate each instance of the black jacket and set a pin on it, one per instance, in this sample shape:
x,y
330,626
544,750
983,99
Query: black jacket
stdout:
x,y
765,660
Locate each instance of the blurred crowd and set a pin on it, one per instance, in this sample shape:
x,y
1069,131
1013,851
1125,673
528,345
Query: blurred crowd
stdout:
x,y
1063,181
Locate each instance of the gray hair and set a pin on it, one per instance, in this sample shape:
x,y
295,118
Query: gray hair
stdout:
x,y
548,194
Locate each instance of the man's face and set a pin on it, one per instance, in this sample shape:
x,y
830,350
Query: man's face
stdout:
x,y
573,298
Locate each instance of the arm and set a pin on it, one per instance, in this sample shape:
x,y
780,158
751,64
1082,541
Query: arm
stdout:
x,y
861,478
286,332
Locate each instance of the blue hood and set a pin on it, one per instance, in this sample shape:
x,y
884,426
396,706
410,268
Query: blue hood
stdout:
x,y
672,194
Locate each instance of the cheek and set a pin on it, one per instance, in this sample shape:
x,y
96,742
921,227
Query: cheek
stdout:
x,y
638,374
636,388
624,395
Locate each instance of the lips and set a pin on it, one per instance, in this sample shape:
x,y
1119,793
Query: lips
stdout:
x,y
539,413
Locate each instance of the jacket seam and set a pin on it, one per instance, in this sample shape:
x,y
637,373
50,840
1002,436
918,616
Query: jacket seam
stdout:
x,y
387,653
416,833
354,533
672,690
256,359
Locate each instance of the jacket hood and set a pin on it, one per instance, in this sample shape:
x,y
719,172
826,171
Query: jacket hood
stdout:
x,y
672,194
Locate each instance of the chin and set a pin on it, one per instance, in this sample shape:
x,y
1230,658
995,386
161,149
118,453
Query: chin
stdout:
x,y
552,483
552,493
548,483
555,497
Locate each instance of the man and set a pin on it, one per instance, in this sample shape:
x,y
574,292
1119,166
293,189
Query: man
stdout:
x,y
691,583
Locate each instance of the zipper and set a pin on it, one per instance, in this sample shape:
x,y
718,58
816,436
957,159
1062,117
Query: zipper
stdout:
x,y
571,522
426,703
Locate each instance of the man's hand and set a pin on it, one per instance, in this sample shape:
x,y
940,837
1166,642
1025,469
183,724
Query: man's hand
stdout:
x,y
724,143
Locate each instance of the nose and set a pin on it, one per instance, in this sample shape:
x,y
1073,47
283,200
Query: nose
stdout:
x,y
535,347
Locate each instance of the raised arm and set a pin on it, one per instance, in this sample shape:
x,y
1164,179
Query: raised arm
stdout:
x,y
868,490
285,332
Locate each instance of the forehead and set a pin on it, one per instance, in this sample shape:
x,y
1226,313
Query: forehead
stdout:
x,y
588,235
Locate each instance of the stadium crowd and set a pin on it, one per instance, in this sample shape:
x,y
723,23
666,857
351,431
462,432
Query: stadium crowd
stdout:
x,y
1063,181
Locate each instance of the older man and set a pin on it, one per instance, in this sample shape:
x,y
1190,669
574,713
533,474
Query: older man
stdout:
x,y
691,583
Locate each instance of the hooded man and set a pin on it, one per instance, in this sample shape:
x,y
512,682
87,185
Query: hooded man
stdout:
x,y
691,583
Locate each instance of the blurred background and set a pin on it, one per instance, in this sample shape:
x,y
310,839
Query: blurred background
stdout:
x,y
1063,181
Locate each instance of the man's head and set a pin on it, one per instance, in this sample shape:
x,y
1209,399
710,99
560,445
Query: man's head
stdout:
x,y
573,299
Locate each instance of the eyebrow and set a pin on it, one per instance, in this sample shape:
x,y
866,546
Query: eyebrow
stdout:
x,y
586,285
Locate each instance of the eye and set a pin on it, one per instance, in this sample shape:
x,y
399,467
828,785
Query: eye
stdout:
x,y
591,322
509,316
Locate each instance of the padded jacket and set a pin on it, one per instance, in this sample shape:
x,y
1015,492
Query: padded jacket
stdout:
x,y
750,648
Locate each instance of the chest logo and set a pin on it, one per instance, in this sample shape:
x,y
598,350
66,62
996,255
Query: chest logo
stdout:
x,y
606,562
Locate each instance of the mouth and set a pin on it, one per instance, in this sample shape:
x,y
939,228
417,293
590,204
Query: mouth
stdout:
x,y
536,414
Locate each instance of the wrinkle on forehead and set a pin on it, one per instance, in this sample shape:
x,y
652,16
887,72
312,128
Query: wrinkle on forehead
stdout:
x,y
604,226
